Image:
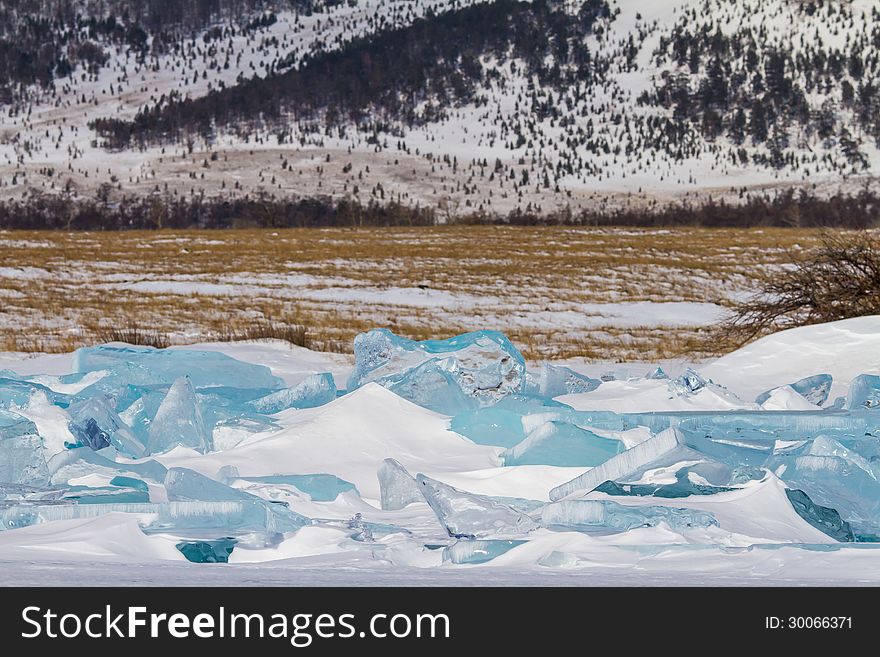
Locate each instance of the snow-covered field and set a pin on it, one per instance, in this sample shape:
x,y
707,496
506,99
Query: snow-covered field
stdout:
x,y
489,472
605,293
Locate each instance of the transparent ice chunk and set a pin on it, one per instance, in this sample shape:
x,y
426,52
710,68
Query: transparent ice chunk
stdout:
x,y
19,492
397,487
623,464
319,487
230,517
490,426
17,392
148,366
137,406
179,421
75,463
22,457
129,482
822,518
835,483
229,433
684,486
556,380
96,425
657,373
508,422
826,446
864,392
106,495
814,389
207,551
478,551
362,529
586,514
466,515
315,390
563,444
217,517
183,484
484,364
690,381
434,385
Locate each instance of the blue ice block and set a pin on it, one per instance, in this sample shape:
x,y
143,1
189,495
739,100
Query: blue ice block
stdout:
x,y
484,364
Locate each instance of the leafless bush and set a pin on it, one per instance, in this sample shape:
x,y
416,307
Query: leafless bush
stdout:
x,y
837,280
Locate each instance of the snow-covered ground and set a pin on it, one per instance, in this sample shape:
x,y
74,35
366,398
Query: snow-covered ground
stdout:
x,y
756,537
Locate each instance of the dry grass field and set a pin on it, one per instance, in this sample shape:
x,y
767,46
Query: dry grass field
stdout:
x,y
609,294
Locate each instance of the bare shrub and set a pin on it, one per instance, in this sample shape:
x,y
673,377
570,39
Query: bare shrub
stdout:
x,y
838,280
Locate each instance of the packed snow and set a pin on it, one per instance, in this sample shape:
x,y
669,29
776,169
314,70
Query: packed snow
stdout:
x,y
416,461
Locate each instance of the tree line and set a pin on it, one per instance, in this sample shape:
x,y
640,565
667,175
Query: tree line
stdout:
x,y
784,209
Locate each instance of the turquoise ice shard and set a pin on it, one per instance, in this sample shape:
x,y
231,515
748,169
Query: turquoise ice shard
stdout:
x,y
247,514
657,374
319,487
556,380
106,495
585,514
864,392
17,392
22,457
814,389
229,517
74,463
129,482
822,518
836,477
96,425
315,390
490,426
137,406
826,446
397,487
484,364
466,515
683,487
183,484
179,421
690,381
434,385
479,551
563,444
207,551
623,464
148,366
509,421
13,492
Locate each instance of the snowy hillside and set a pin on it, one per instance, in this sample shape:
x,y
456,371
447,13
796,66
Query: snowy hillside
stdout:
x,y
464,106
420,460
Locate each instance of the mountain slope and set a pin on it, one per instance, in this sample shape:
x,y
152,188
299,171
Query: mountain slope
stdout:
x,y
465,106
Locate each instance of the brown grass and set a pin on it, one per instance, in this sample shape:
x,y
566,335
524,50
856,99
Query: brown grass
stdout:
x,y
66,289
295,334
134,335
